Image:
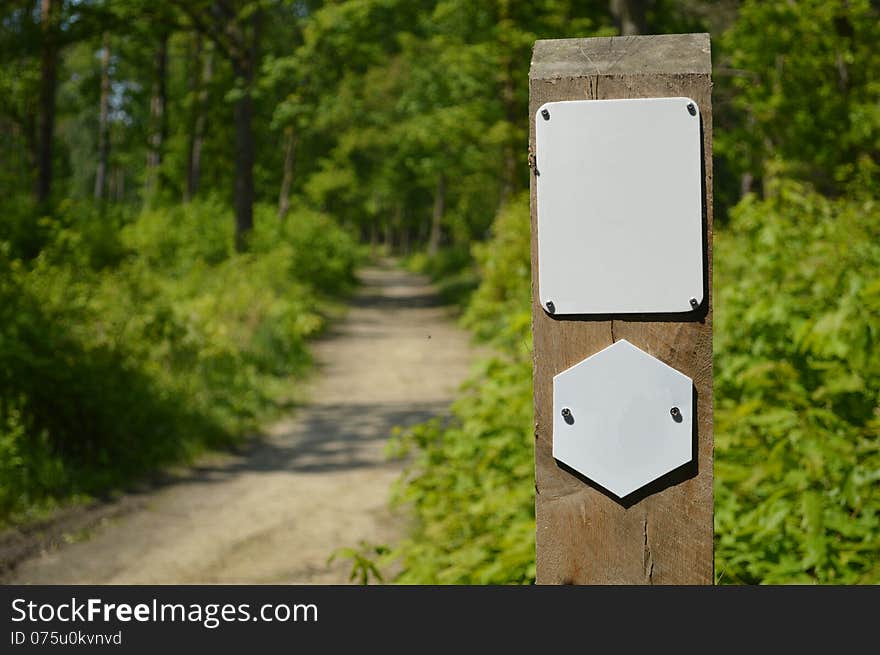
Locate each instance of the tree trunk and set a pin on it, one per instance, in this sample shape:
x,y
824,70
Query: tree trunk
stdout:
x,y
746,182
119,184
103,121
48,82
158,119
244,165
199,87
511,112
389,235
287,177
28,122
239,41
437,218
245,68
403,230
629,16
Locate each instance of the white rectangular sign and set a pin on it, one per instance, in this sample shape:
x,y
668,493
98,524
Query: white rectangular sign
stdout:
x,y
619,206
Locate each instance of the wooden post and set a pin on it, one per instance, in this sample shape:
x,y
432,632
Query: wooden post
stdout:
x,y
662,535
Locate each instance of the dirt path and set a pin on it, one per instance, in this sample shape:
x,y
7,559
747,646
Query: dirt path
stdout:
x,y
318,482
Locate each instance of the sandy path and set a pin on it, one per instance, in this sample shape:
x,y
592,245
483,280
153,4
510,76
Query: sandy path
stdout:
x,y
318,482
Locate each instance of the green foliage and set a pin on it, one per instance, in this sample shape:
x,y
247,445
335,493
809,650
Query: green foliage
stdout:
x,y
122,349
365,562
470,486
797,360
412,95
500,309
806,78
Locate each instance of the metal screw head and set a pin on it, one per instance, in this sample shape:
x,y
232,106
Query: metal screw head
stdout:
x,y
546,114
676,413
566,412
692,110
694,303
551,308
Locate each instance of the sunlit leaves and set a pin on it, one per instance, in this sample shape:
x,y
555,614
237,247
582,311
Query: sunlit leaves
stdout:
x,y
130,342
797,365
805,76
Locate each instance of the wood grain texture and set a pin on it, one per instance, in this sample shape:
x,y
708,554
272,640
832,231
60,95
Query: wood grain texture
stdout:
x,y
662,534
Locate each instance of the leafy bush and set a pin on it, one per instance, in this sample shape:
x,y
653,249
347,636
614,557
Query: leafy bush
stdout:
x,y
500,310
120,353
470,485
797,359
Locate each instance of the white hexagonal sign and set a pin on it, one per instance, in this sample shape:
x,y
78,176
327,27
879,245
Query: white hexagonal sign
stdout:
x,y
622,418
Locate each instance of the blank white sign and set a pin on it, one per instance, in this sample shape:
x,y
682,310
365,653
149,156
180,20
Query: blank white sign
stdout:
x,y
619,206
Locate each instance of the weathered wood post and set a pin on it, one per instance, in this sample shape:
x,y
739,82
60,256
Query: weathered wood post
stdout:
x,y
661,534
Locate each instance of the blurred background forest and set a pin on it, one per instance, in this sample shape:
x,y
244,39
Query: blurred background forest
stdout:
x,y
188,186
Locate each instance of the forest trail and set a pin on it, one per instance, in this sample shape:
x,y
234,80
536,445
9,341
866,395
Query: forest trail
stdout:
x,y
318,481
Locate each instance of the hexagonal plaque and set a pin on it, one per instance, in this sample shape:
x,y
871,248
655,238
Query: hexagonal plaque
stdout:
x,y
619,187
622,418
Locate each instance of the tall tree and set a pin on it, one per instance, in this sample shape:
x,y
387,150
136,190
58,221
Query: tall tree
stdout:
x,y
103,120
49,11
437,215
202,70
235,27
290,138
804,92
630,16
158,116
245,65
